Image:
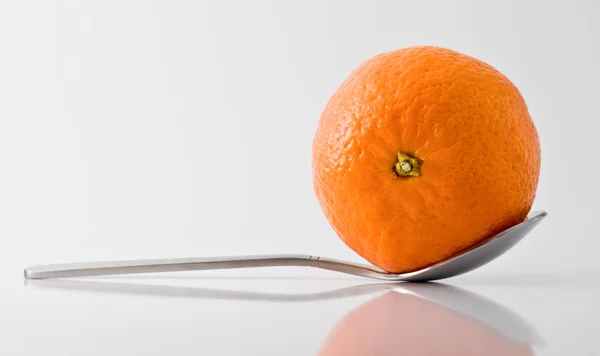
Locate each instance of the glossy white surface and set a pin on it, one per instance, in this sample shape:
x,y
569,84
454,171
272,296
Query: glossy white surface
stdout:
x,y
291,312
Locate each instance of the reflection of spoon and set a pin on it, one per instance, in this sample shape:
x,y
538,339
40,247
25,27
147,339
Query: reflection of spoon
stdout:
x,y
476,307
408,324
205,293
472,306
463,262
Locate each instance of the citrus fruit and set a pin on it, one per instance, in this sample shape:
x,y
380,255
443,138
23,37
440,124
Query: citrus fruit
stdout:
x,y
421,153
403,324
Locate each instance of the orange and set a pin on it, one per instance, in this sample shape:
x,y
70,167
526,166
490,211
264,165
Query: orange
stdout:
x,y
403,324
421,153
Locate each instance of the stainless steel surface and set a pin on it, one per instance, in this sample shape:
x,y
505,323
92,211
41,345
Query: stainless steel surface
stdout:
x,y
463,262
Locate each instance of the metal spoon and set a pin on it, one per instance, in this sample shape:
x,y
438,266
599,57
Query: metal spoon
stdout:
x,y
463,262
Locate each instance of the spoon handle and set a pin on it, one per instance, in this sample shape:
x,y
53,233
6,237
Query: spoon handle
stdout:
x,y
195,264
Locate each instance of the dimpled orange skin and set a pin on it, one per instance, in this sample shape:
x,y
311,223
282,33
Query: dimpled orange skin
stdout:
x,y
464,120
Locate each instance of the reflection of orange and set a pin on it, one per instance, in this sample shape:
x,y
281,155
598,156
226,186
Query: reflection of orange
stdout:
x,y
421,153
399,324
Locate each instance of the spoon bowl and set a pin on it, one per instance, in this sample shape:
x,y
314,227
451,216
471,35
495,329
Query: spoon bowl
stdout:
x,y
463,262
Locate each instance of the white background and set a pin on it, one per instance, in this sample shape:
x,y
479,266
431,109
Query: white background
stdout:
x,y
148,129
136,129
